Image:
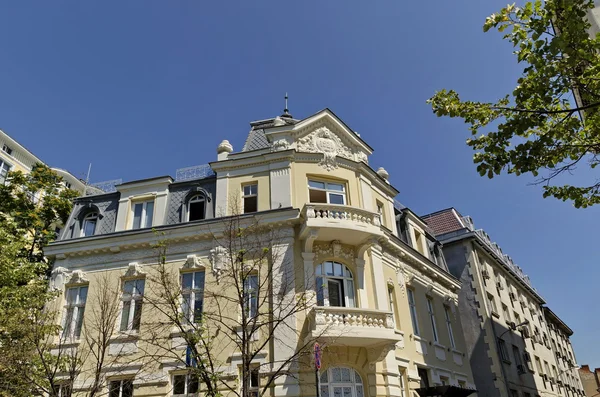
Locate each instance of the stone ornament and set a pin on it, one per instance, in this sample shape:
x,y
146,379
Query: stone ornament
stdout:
x,y
58,278
218,256
134,270
280,145
322,140
334,249
78,277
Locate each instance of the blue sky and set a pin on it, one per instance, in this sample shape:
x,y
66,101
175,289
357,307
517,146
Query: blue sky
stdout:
x,y
141,88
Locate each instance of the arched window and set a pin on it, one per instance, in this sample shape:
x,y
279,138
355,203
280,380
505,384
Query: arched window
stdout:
x,y
196,207
88,226
335,285
341,382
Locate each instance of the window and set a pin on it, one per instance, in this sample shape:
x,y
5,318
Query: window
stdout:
x,y
4,168
517,318
335,285
393,309
196,208
402,374
254,382
432,319
424,377
505,312
492,303
133,292
75,308
7,149
142,214
449,326
62,390
380,211
88,228
514,393
547,367
120,388
184,385
326,192
250,198
503,352
413,311
445,381
192,285
518,363
538,365
418,241
341,381
251,295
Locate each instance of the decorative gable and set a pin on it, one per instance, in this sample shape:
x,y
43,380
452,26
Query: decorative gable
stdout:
x,y
323,140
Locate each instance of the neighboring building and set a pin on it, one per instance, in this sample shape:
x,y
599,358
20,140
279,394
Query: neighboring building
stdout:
x,y
590,380
386,312
14,157
559,333
507,337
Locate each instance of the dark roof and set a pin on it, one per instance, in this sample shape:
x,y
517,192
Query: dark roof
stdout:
x,y
256,137
444,221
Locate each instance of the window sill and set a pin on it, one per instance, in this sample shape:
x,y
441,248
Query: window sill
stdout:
x,y
125,335
437,344
494,314
457,351
68,342
419,339
399,332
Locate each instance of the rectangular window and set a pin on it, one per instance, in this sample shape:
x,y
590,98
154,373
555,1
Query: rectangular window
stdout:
x,y
506,313
517,318
62,390
517,356
75,308
445,381
393,309
493,303
142,214
250,198
514,393
192,291
548,374
449,326
133,293
254,382
402,374
251,295
7,149
120,388
413,311
503,352
424,376
432,319
326,192
184,385
4,168
538,365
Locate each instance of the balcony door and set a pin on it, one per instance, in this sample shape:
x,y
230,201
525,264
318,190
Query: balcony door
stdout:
x,y
335,285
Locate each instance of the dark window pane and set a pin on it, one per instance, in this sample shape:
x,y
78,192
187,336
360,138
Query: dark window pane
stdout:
x,y
192,384
125,315
198,307
127,388
114,388
317,196
178,384
254,378
137,215
250,204
137,315
196,211
336,198
335,298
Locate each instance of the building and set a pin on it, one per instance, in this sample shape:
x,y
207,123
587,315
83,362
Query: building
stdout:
x,y
506,331
590,380
379,297
14,157
559,333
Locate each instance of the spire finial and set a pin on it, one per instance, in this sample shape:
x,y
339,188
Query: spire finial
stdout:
x,y
286,112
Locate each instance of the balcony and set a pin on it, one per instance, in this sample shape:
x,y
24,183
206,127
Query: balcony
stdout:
x,y
349,326
348,224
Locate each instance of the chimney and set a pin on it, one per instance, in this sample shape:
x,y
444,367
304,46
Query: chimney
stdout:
x,y
585,368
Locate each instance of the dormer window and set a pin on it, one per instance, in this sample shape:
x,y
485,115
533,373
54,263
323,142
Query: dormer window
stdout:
x,y
88,227
326,192
196,208
142,214
7,149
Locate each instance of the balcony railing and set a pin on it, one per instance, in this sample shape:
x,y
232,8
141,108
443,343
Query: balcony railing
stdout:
x,y
341,213
353,317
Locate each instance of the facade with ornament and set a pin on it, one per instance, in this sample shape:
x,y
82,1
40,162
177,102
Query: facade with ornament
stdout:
x,y
365,276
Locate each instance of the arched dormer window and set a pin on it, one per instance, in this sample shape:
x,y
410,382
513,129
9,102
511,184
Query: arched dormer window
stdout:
x,y
196,207
88,224
335,285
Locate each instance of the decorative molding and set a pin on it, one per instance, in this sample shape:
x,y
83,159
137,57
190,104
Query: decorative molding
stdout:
x,y
374,357
334,249
280,145
192,262
58,278
78,277
217,259
400,279
390,283
429,290
322,140
134,270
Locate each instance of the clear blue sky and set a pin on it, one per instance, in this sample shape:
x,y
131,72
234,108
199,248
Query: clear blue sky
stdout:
x,y
141,88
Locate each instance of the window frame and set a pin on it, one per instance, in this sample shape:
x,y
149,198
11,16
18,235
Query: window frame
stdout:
x,y
59,389
194,292
251,295
347,286
5,168
135,300
449,326
120,389
249,196
431,312
7,149
504,355
327,191
412,307
188,380
327,381
89,218
143,214
73,322
196,198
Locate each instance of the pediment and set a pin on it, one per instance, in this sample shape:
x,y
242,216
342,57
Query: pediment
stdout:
x,y
322,133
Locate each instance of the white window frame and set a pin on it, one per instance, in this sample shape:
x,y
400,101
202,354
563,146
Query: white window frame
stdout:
x,y
188,378
143,214
63,390
249,195
7,149
91,217
354,382
251,290
121,382
431,312
135,302
345,280
328,191
412,306
194,292
449,326
5,168
254,386
197,198
402,374
71,329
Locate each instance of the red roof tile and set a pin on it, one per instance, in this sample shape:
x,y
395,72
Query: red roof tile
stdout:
x,y
444,221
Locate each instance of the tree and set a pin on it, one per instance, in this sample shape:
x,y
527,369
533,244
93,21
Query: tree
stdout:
x,y
539,128
31,206
248,304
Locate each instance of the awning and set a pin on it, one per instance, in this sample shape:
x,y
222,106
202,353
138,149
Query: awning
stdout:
x,y
444,391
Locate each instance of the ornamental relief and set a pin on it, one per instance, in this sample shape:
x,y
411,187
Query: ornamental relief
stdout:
x,y
323,140
333,249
